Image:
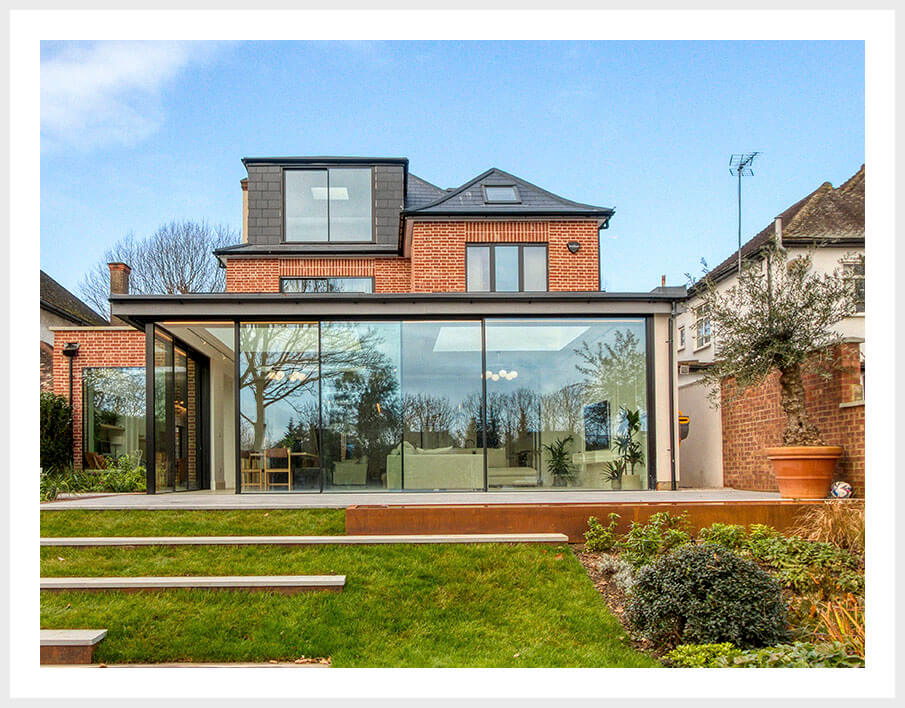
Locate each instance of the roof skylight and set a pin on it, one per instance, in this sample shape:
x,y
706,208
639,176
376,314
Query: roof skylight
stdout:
x,y
501,194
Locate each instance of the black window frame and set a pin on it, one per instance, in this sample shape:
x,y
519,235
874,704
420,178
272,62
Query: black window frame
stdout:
x,y
327,168
328,277
513,186
521,265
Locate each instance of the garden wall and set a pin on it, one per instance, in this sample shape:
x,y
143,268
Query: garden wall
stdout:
x,y
755,421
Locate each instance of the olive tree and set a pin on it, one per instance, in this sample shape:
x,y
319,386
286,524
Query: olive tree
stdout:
x,y
780,315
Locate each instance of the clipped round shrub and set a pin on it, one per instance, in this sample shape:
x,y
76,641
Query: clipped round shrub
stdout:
x,y
706,594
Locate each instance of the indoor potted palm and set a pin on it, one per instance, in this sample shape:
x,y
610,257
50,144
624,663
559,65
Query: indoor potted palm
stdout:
x,y
559,462
630,453
780,316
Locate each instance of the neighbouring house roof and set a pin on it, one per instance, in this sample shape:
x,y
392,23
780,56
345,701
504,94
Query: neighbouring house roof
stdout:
x,y
469,199
57,299
825,217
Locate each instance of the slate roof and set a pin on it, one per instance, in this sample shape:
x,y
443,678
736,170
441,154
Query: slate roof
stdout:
x,y
824,216
57,299
469,199
420,192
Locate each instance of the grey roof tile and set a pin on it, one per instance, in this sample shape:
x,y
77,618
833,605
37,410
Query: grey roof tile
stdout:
x,y
469,198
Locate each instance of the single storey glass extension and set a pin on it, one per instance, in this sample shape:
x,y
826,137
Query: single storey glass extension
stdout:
x,y
301,393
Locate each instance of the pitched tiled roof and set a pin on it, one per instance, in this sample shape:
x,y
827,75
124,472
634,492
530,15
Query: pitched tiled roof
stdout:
x,y
58,299
469,199
825,215
419,192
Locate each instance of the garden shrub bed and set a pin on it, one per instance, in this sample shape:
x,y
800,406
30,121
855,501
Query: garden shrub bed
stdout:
x,y
810,591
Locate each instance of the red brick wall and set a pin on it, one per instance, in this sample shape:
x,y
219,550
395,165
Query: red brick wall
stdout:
x,y
252,275
437,263
110,346
756,421
438,251
391,275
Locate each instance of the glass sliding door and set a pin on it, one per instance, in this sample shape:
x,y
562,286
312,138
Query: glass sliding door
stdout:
x,y
441,408
360,403
279,407
163,411
566,403
178,442
180,419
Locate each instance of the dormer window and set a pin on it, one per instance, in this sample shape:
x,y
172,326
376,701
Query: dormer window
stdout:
x,y
501,194
332,204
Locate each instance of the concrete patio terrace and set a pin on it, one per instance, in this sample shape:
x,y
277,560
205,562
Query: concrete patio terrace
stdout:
x,y
207,499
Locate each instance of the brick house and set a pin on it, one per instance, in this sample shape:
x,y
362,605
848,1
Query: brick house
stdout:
x,y
59,308
381,333
722,448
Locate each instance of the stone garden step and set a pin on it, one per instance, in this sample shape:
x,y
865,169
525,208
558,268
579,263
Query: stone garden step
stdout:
x,y
286,584
69,646
303,540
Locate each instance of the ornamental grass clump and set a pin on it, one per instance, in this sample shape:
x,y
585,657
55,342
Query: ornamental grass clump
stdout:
x,y
703,594
838,521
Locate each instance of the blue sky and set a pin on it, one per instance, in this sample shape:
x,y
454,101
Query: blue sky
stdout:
x,y
135,134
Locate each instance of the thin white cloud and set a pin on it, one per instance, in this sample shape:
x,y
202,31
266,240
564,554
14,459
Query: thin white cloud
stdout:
x,y
106,93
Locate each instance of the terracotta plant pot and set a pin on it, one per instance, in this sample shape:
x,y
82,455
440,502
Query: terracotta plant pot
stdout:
x,y
804,472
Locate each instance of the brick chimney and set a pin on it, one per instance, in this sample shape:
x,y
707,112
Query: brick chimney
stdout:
x,y
119,285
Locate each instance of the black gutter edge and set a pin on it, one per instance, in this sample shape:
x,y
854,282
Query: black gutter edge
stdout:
x,y
597,213
332,252
80,321
668,294
325,160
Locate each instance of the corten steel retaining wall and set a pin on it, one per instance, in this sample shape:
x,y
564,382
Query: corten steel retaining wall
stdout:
x,y
755,421
568,518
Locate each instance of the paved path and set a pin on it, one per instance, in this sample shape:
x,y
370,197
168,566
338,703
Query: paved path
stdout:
x,y
416,539
340,500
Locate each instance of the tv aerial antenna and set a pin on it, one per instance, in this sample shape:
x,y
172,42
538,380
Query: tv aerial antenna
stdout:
x,y
740,166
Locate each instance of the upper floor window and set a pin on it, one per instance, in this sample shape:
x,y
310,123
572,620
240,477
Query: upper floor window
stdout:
x,y
853,271
681,338
332,204
702,326
501,194
326,285
506,268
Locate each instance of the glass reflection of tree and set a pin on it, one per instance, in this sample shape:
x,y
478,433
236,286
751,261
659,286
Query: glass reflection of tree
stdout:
x,y
510,416
365,401
115,393
614,372
562,409
280,365
425,413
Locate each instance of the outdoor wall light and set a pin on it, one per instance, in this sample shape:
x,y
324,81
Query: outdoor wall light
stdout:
x,y
69,351
574,246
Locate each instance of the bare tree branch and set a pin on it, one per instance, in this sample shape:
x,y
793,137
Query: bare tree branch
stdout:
x,y
175,259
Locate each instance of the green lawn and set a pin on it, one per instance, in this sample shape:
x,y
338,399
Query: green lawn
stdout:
x,y
243,522
457,605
